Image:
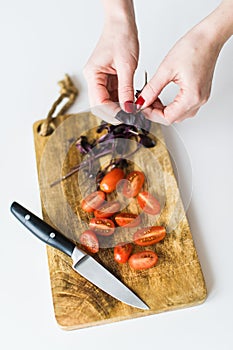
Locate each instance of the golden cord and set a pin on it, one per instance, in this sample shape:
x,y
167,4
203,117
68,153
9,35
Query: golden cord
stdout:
x,y
68,90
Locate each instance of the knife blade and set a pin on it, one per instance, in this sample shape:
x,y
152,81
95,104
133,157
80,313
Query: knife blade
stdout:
x,y
83,263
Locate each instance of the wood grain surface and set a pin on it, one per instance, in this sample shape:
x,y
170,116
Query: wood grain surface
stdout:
x,y
175,282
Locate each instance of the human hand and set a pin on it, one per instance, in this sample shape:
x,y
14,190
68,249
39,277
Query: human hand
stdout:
x,y
190,64
110,69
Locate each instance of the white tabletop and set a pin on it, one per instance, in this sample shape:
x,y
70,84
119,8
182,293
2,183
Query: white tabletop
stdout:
x,y
40,42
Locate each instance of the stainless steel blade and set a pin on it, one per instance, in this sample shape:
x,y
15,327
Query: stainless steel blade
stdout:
x,y
94,272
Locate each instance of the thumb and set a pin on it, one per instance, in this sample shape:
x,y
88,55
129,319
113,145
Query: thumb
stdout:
x,y
182,107
125,86
154,87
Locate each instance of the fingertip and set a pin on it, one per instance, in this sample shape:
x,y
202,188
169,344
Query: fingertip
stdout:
x,y
154,87
139,102
129,107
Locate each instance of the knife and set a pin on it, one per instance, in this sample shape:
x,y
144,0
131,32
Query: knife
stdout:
x,y
83,263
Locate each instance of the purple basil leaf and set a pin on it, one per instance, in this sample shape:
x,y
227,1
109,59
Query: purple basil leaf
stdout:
x,y
146,141
83,145
126,118
122,163
102,127
137,120
142,122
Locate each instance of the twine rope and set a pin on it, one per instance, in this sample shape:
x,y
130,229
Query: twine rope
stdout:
x,y
67,90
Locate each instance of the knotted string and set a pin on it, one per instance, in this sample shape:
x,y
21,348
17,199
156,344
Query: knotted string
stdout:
x,y
68,90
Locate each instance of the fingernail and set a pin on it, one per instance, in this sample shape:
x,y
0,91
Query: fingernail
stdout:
x,y
129,106
139,102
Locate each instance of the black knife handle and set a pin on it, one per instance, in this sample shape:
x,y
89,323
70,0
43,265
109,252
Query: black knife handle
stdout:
x,y
42,230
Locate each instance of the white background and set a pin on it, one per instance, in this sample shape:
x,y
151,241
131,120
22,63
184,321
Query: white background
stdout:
x,y
42,40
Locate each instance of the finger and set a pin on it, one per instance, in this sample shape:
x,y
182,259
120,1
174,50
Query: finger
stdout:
x,y
154,87
125,86
112,87
182,107
158,105
97,89
155,115
107,112
100,98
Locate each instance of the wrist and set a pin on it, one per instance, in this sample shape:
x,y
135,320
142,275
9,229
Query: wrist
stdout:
x,y
121,11
218,26
224,16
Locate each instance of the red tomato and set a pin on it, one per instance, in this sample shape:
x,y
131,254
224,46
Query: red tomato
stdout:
x,y
143,260
110,180
107,210
149,235
148,203
93,201
134,184
122,252
89,241
102,227
127,219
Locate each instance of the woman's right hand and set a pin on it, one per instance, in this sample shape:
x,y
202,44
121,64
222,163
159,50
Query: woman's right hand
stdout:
x,y
110,69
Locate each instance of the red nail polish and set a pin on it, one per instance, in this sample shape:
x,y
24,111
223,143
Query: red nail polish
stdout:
x,y
139,102
129,106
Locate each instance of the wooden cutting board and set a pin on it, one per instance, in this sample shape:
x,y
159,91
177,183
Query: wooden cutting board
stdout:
x,y
175,282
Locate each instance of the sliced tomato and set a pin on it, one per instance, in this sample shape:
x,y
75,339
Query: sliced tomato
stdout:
x,y
110,180
134,184
149,235
89,241
93,201
122,252
143,260
107,210
128,219
102,227
148,203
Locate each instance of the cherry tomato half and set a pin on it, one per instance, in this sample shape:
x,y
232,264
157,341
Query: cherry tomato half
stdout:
x,y
149,235
93,201
102,227
143,260
128,219
110,180
107,210
148,203
134,184
122,252
89,241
